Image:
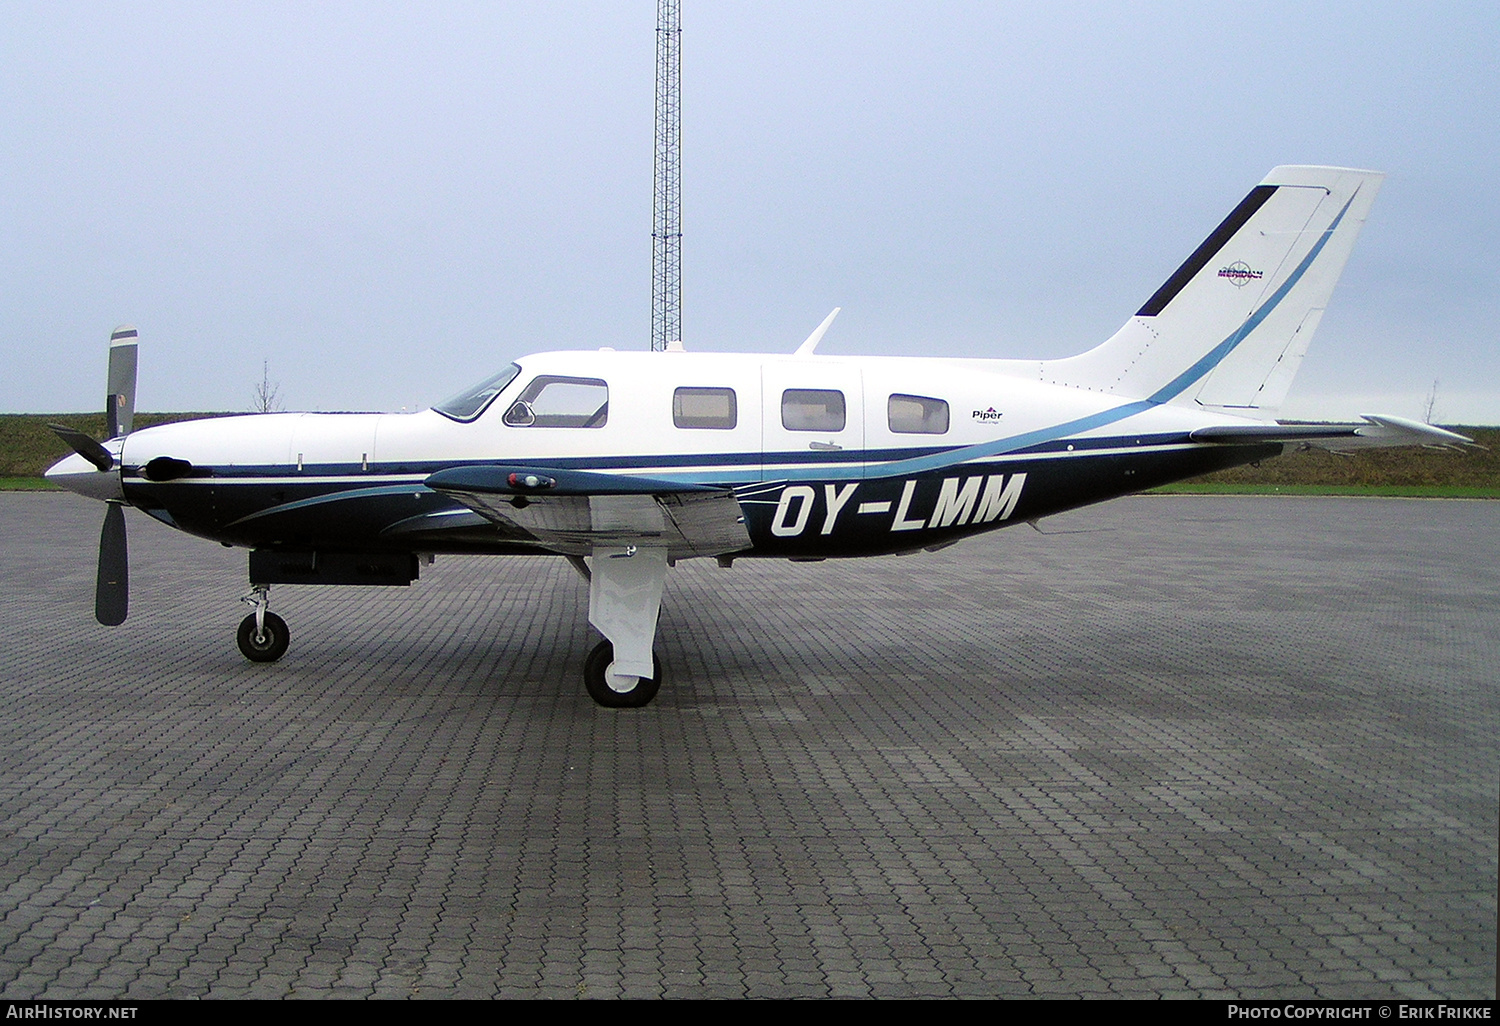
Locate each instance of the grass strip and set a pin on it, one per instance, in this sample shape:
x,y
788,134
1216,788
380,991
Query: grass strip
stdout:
x,y
1368,491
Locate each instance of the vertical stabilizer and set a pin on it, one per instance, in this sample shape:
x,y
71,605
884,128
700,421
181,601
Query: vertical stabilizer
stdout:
x,y
1229,329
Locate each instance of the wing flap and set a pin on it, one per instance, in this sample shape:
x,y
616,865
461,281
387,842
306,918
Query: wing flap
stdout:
x,y
572,512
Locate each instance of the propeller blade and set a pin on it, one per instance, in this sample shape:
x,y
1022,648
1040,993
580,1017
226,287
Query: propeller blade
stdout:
x,y
84,446
119,404
112,593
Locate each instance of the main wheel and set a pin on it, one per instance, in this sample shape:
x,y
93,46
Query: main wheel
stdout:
x,y
268,645
614,691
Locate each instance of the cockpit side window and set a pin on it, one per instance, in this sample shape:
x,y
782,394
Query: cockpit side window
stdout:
x,y
471,402
554,401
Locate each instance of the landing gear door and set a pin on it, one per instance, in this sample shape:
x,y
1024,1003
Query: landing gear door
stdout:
x,y
813,420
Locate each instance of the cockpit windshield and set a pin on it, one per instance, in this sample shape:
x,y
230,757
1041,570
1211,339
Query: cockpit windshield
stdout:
x,y
471,402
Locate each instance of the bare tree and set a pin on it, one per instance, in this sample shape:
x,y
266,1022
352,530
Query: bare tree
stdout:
x,y
268,392
1429,406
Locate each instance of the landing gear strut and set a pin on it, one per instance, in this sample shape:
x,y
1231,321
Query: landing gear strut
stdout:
x,y
263,636
625,587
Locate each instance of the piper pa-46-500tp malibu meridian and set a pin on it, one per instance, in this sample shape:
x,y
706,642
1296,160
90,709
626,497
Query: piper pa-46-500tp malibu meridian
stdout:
x,y
625,462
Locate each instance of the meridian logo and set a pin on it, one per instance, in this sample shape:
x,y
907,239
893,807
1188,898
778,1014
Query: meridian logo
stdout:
x,y
989,414
1240,274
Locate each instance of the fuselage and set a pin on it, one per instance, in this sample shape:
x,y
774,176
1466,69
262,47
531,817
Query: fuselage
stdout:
x,y
827,456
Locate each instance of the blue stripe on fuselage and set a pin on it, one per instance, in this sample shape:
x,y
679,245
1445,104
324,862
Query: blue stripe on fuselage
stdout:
x,y
815,465
339,495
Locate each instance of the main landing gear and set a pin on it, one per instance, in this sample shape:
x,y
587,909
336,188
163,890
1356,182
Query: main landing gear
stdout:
x,y
263,636
625,585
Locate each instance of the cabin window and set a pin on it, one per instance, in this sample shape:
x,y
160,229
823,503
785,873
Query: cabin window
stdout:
x,y
552,401
917,415
471,402
704,408
812,409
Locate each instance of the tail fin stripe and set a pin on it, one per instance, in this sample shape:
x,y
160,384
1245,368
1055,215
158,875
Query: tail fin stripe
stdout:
x,y
1206,251
1212,358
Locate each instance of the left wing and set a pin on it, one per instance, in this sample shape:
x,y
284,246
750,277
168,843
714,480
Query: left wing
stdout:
x,y
573,511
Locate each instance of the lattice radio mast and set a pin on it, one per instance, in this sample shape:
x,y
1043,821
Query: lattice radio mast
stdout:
x,y
666,230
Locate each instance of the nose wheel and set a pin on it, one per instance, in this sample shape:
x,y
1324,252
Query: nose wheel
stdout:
x,y
263,636
267,644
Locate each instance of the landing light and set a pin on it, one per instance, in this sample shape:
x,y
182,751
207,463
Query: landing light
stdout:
x,y
532,482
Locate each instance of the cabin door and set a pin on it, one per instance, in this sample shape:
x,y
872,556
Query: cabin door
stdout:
x,y
812,419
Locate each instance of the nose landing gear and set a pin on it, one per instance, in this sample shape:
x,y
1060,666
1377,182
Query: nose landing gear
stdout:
x,y
263,636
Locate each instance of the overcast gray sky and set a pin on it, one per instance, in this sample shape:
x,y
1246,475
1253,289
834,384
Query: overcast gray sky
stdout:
x,y
387,202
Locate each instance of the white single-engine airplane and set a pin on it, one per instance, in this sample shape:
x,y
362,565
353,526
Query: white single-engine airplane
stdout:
x,y
625,463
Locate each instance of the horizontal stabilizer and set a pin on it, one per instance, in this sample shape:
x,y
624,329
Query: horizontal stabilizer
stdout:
x,y
1379,431
1240,434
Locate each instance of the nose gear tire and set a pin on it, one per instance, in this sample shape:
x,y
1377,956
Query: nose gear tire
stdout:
x,y
270,645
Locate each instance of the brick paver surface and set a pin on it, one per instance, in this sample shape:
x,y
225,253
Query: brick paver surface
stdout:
x,y
1175,746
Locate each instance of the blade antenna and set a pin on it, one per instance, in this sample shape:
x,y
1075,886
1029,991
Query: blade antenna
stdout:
x,y
811,343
